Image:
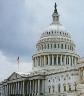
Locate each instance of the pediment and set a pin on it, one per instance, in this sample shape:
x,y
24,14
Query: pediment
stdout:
x,y
14,76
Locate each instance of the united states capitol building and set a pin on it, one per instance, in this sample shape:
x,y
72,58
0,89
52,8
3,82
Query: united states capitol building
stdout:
x,y
57,69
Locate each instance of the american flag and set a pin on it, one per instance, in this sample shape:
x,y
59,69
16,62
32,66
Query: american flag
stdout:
x,y
18,60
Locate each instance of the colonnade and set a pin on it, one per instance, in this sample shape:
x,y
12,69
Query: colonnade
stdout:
x,y
23,88
44,60
56,46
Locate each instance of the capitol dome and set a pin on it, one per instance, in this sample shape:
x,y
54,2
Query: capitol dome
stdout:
x,y
55,48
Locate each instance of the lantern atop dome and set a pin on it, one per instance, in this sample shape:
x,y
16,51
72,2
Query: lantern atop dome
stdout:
x,y
55,15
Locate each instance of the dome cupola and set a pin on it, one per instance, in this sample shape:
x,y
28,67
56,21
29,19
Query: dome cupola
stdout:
x,y
55,16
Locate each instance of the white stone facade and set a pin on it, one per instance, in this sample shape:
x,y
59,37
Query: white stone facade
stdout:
x,y
57,69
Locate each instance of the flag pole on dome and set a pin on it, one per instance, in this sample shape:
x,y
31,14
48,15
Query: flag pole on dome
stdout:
x,y
18,62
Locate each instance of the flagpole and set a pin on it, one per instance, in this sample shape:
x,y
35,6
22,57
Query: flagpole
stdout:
x,y
18,64
18,68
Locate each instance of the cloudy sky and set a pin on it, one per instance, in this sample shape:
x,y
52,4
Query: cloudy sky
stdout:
x,y
23,21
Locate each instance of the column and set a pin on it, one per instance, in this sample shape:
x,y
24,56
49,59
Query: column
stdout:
x,y
26,87
61,60
18,88
7,89
57,60
69,60
38,87
75,60
72,60
40,60
48,60
44,60
65,60
35,87
10,88
30,87
53,60
23,89
35,62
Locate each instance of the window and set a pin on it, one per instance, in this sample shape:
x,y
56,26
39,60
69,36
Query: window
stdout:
x,y
72,48
75,86
52,32
45,46
65,34
69,87
61,46
68,60
68,46
48,46
58,60
59,88
51,46
50,60
49,89
42,47
65,46
58,45
46,60
53,88
54,45
54,60
64,87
